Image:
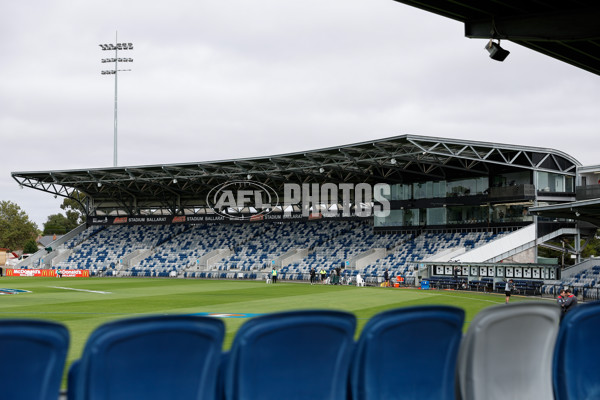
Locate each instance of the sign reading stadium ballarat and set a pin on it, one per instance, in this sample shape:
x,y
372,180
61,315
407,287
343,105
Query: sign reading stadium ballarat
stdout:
x,y
215,219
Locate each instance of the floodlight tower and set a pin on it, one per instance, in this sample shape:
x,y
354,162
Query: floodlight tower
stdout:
x,y
116,47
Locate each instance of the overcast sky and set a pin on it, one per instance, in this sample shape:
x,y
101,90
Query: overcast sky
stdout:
x,y
215,79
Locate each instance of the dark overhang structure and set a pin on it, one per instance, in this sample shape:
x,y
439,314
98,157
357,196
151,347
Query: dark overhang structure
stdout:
x,y
567,30
582,210
176,189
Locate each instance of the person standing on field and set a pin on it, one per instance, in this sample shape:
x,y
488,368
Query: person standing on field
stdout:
x,y
386,278
508,288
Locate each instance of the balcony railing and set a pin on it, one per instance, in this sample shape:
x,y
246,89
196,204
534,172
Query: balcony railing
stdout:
x,y
521,192
587,192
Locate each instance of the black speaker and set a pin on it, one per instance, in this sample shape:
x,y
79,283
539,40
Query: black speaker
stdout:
x,y
496,52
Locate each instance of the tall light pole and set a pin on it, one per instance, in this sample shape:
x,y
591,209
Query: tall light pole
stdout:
x,y
116,47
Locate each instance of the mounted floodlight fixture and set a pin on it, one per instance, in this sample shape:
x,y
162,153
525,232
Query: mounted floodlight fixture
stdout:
x,y
496,52
174,180
393,161
321,170
116,47
249,176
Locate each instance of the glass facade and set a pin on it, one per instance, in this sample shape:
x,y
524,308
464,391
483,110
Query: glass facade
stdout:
x,y
466,187
439,189
401,192
460,214
457,215
550,182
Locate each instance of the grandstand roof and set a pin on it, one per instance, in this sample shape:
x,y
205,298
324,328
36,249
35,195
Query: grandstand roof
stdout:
x,y
401,159
567,30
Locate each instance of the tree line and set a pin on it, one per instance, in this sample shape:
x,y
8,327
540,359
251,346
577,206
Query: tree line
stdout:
x,y
18,232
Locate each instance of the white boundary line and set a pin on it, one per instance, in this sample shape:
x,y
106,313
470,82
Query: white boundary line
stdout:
x,y
80,290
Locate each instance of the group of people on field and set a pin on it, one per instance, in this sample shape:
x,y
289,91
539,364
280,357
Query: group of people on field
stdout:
x,y
322,276
566,300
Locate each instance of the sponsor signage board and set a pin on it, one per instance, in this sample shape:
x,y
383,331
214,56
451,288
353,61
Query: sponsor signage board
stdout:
x,y
214,219
68,273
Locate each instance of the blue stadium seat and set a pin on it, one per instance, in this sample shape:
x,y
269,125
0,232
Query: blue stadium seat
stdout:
x,y
408,353
575,368
507,352
33,357
157,357
291,355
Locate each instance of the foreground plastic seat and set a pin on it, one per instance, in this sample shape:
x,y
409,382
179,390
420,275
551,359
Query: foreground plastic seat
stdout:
x,y
408,353
292,355
507,353
576,371
159,357
33,357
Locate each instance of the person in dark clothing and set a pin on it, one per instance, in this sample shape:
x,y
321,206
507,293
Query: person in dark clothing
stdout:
x,y
561,298
386,277
570,301
312,276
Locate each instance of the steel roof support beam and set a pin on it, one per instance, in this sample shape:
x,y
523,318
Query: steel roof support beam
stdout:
x,y
580,24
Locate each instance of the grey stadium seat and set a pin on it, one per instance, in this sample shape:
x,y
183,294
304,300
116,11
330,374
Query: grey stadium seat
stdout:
x,y
507,353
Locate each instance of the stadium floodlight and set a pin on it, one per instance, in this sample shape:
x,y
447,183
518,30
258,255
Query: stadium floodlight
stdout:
x,y
116,47
321,170
393,161
174,180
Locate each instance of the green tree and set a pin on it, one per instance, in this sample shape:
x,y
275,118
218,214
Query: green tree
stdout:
x,y
73,208
592,248
71,219
30,246
15,226
59,224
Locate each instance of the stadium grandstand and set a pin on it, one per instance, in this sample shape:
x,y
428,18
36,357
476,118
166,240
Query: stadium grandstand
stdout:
x,y
459,214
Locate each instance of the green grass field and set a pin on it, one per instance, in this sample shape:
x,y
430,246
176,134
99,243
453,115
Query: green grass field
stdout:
x,y
84,304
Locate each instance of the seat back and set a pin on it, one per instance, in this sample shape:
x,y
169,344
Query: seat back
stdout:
x,y
291,355
158,357
507,352
33,357
576,370
411,351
